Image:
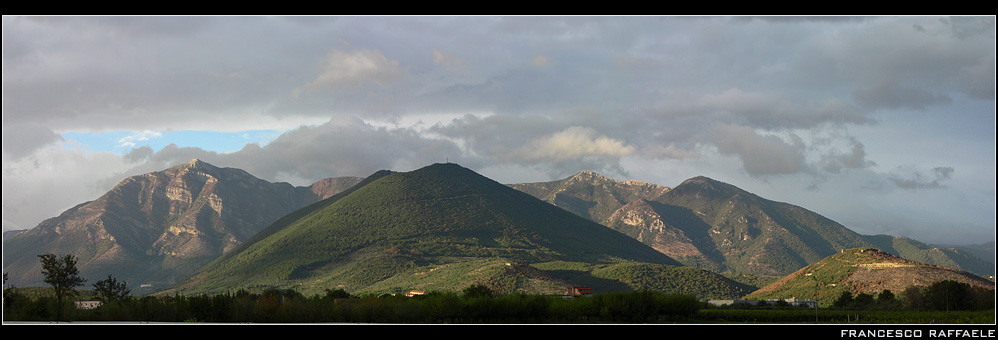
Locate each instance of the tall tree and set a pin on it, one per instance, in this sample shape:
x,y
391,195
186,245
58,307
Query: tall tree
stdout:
x,y
886,297
62,275
949,295
110,290
478,290
845,300
9,293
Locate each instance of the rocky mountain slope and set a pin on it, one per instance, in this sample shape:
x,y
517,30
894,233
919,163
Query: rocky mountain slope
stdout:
x,y
161,226
746,233
591,195
717,226
947,256
410,229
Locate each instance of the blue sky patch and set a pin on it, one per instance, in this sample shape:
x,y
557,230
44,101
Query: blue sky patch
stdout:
x,y
121,142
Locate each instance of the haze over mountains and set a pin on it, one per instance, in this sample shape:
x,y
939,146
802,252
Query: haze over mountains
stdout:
x,y
395,229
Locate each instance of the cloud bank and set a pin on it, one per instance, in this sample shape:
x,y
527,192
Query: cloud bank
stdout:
x,y
817,111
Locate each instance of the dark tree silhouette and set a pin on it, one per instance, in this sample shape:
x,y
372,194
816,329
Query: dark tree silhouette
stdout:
x,y
949,295
886,297
110,290
477,291
863,299
62,275
844,300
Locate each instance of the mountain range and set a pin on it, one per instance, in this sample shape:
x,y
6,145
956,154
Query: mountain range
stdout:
x,y
397,226
161,226
440,227
717,226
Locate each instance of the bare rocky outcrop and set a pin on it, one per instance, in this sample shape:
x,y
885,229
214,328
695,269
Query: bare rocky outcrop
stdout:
x,y
591,195
867,270
161,225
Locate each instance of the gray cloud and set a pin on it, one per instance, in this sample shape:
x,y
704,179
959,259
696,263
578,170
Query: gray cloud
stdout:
x,y
760,155
21,140
139,154
762,100
96,73
354,68
772,111
965,27
341,147
448,60
53,179
854,157
918,180
904,62
894,96
536,141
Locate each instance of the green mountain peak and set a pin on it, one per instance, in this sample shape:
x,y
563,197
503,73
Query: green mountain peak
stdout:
x,y
402,221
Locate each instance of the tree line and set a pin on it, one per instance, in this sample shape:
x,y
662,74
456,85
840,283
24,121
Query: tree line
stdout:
x,y
475,304
61,274
946,295
337,306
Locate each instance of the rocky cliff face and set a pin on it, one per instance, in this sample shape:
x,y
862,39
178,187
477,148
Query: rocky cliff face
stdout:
x,y
161,226
591,195
717,226
671,230
702,222
735,231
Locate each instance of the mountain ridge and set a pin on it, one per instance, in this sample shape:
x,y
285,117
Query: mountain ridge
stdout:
x,y
680,222
735,231
438,215
590,194
159,226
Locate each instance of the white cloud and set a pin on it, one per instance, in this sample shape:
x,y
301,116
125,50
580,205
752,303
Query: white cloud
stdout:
x,y
572,143
539,60
54,179
130,140
354,68
448,60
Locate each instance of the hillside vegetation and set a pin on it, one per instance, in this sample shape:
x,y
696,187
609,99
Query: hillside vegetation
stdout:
x,y
859,271
950,257
408,230
709,224
631,276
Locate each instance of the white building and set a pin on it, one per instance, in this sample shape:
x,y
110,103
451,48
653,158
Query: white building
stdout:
x,y
89,304
810,303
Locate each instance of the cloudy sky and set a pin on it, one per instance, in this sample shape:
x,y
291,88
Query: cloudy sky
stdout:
x,y
884,124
